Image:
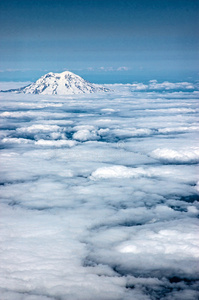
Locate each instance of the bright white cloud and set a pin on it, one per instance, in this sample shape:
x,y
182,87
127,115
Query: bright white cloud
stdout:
x,y
58,143
166,85
118,172
181,156
38,128
139,86
154,85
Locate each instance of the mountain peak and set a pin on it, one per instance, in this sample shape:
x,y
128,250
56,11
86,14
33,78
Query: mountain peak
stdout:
x,y
62,74
60,84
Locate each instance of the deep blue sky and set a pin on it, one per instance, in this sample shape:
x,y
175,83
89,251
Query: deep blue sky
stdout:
x,y
104,41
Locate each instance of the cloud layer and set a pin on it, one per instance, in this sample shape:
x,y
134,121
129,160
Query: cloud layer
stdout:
x,y
166,85
99,195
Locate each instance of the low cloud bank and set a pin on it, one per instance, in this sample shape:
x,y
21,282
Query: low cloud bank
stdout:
x,y
99,195
166,85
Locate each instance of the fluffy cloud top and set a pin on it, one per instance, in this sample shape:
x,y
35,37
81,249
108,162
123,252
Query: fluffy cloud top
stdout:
x,y
118,172
189,155
166,85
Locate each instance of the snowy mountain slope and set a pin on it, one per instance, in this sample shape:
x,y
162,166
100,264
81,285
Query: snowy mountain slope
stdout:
x,y
60,84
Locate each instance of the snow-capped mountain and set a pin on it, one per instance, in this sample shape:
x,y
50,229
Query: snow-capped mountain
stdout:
x,y
60,84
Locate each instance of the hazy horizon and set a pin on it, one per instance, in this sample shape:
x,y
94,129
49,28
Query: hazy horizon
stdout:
x,y
105,42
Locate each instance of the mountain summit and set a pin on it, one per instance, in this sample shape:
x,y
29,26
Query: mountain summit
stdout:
x,y
60,84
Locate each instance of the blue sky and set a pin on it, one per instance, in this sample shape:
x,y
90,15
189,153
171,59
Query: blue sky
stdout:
x,y
104,41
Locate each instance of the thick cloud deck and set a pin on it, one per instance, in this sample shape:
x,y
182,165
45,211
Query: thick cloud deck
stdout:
x,y
118,172
99,195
